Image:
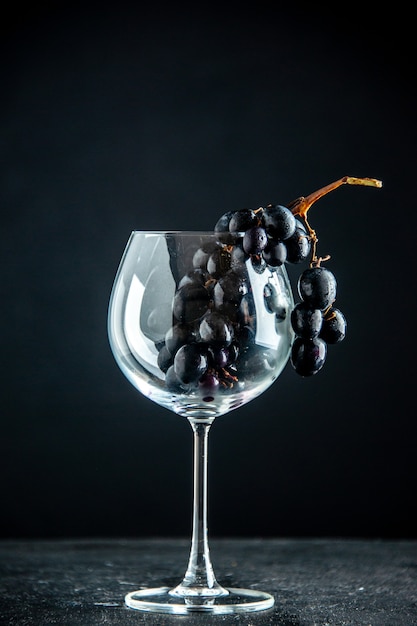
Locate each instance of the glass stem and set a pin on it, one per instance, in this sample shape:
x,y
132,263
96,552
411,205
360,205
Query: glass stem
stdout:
x,y
199,578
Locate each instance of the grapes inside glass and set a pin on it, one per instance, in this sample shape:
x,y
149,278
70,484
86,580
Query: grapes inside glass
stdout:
x,y
200,329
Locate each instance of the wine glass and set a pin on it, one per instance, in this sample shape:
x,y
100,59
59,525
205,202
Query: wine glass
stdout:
x,y
200,328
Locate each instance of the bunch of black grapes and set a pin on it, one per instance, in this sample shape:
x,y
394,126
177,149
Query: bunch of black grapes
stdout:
x,y
211,345
315,321
272,236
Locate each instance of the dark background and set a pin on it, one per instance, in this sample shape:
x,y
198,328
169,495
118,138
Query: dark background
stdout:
x,y
116,118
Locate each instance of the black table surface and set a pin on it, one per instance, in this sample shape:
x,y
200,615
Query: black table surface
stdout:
x,y
315,582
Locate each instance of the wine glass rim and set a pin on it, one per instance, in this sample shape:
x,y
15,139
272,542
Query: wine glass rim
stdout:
x,y
174,232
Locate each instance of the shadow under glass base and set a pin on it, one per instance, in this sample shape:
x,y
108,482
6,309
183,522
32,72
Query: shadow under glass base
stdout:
x,y
160,600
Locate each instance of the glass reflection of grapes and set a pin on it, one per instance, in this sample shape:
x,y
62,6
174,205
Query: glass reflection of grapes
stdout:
x,y
202,323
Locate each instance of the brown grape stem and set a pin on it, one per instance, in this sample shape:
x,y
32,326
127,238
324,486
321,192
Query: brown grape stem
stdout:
x,y
301,205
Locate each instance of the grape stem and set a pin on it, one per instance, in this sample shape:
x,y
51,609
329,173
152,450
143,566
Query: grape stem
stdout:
x,y
300,206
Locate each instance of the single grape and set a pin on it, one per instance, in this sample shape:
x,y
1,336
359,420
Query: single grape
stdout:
x,y
254,240
221,228
238,258
305,321
333,329
208,386
190,302
298,245
308,355
190,363
275,253
242,220
218,263
229,290
177,336
278,222
222,224
165,359
215,329
173,383
317,286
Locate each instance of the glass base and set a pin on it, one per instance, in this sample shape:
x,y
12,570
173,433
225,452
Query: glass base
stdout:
x,y
160,600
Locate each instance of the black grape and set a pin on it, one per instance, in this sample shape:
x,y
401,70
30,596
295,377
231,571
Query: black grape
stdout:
x,y
254,240
165,359
242,220
190,302
208,385
298,245
218,263
229,290
173,383
317,286
177,336
215,330
278,222
222,224
333,329
305,321
275,253
308,355
190,363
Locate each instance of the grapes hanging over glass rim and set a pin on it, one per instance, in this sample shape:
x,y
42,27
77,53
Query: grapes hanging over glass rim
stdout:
x,y
211,346
276,234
